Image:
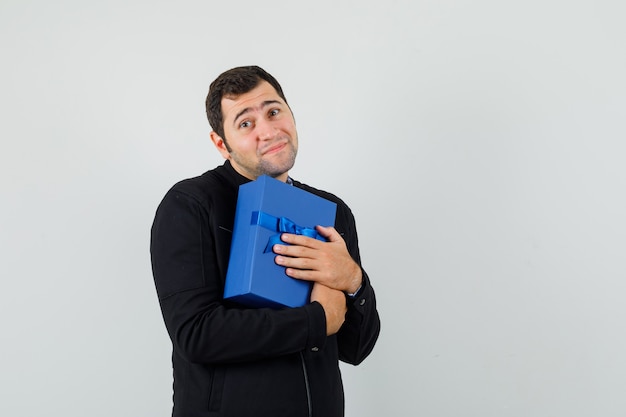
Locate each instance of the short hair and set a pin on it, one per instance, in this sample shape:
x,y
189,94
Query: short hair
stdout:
x,y
233,83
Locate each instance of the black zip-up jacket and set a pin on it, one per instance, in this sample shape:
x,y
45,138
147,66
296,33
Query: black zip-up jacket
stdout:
x,y
234,361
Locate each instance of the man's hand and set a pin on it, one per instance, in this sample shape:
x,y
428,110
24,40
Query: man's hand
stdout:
x,y
334,304
327,263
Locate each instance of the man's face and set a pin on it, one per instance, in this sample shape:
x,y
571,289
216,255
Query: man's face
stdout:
x,y
261,133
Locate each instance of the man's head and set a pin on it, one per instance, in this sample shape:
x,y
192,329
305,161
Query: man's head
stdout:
x,y
233,83
252,123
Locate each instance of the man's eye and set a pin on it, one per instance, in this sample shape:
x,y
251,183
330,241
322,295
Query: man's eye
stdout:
x,y
274,112
245,124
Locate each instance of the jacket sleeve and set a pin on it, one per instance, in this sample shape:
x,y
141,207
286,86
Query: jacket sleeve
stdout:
x,y
360,331
202,327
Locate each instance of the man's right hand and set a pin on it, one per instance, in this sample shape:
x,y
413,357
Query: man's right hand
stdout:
x,y
334,304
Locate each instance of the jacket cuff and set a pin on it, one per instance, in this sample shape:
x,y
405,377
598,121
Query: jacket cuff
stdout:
x,y
317,327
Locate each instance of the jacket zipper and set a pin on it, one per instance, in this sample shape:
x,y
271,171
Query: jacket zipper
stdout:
x,y
306,386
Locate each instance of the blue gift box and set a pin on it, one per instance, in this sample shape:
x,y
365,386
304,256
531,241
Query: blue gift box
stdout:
x,y
266,208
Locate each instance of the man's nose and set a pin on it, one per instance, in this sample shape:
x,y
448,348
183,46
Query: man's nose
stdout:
x,y
266,130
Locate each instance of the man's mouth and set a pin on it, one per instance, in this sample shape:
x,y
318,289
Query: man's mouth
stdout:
x,y
277,147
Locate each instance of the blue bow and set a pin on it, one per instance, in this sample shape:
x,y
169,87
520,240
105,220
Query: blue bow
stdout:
x,y
281,225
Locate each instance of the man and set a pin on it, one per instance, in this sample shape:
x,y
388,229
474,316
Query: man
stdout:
x,y
229,360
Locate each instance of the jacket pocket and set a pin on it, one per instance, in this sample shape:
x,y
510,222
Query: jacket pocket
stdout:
x,y
217,388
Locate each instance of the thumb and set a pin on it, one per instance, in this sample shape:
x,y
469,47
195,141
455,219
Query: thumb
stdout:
x,y
329,233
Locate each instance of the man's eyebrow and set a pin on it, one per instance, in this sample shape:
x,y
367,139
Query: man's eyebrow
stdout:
x,y
248,109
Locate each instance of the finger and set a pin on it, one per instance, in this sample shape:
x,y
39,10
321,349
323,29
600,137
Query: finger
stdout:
x,y
299,263
330,233
302,274
300,240
294,251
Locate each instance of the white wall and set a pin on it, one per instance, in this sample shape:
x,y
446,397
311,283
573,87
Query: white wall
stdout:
x,y
480,145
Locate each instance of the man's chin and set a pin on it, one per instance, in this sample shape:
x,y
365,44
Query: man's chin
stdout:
x,y
275,169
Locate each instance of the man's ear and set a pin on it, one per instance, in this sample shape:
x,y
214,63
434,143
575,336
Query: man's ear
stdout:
x,y
220,145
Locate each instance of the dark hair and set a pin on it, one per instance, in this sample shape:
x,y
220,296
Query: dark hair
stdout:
x,y
233,83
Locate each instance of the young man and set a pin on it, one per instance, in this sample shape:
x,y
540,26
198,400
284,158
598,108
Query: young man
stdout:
x,y
229,360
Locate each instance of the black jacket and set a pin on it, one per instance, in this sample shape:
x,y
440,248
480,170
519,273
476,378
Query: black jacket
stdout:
x,y
235,361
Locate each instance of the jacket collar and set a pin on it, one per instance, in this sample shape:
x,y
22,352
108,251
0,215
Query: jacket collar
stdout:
x,y
231,175
236,179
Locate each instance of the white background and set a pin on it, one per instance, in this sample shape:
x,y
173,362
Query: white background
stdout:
x,y
480,145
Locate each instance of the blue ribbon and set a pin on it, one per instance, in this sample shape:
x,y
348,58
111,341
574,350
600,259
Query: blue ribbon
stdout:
x,y
281,225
